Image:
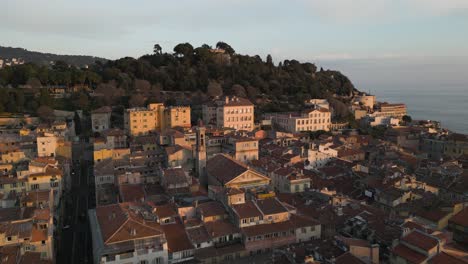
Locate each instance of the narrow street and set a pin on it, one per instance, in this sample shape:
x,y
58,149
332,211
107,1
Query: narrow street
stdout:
x,y
74,245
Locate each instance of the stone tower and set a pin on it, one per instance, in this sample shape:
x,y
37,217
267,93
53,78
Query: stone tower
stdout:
x,y
200,152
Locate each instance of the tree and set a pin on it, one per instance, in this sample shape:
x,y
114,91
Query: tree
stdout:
x,y
157,49
226,47
142,86
407,119
137,100
214,89
238,90
81,102
34,83
45,112
77,121
183,49
269,60
45,98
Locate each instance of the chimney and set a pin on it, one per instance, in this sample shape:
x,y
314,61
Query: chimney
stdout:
x,y
227,99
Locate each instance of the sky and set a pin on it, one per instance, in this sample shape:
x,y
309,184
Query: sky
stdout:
x,y
389,47
308,30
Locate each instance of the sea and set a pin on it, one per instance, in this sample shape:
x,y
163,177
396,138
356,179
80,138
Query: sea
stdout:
x,y
432,88
448,105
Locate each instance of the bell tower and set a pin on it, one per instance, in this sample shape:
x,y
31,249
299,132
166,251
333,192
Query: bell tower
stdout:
x,y
200,152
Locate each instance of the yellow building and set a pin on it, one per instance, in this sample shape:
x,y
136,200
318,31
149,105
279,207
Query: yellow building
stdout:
x,y
177,116
13,157
155,117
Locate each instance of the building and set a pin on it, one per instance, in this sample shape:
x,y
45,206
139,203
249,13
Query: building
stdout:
x,y
312,120
458,224
155,117
101,119
46,145
366,100
391,110
142,121
224,171
177,116
232,112
124,233
322,103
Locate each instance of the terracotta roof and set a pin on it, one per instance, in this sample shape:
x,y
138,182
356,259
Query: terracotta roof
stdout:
x,y
299,221
354,242
271,206
198,234
211,208
348,258
224,168
132,192
165,211
30,257
420,240
42,214
461,218
237,101
174,149
177,239
221,228
10,254
110,218
246,210
445,258
264,229
38,234
409,254
102,110
175,176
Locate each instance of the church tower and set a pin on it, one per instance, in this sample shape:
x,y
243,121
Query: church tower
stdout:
x,y
200,152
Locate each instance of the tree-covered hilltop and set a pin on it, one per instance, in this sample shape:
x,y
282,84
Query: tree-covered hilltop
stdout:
x,y
201,72
46,58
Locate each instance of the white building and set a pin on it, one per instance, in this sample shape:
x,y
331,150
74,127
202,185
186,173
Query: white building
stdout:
x,y
101,119
232,112
312,120
322,103
46,145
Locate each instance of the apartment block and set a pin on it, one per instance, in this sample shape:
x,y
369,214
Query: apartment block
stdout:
x,y
232,112
312,120
155,117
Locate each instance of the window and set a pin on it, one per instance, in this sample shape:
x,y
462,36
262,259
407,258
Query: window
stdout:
x,y
34,186
303,230
8,238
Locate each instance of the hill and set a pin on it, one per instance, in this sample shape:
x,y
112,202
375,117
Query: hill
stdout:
x,y
190,75
47,58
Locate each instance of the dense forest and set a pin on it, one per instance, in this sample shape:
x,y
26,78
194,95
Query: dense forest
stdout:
x,y
202,72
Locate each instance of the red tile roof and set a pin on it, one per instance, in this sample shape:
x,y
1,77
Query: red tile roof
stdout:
x,y
177,239
445,258
420,240
246,210
409,254
224,168
271,206
461,218
211,208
